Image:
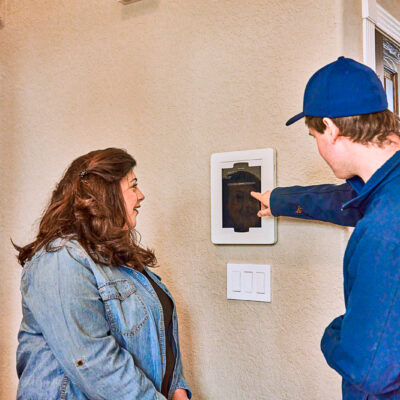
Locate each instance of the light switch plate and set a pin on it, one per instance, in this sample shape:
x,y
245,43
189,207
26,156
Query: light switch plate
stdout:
x,y
249,282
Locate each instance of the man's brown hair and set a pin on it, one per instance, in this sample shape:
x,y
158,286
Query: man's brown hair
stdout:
x,y
364,129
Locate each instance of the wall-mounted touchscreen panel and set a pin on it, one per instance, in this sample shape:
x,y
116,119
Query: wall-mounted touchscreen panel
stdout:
x,y
233,210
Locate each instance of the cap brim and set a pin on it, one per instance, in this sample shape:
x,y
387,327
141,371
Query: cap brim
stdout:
x,y
295,118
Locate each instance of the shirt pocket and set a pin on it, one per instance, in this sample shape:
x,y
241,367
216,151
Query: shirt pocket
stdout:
x,y
125,310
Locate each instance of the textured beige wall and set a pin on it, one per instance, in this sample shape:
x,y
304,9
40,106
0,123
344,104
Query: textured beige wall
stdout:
x,y
172,82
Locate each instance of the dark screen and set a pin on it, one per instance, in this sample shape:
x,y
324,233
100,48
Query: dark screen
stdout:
x,y
239,208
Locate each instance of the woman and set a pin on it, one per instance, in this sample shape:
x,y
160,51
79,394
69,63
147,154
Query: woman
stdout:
x,y
97,323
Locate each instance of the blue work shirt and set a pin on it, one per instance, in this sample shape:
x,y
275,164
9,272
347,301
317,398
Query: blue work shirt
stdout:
x,y
91,331
363,345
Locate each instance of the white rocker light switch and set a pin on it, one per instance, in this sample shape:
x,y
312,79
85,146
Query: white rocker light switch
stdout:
x,y
249,282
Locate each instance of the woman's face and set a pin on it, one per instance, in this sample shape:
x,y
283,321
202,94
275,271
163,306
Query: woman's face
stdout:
x,y
132,197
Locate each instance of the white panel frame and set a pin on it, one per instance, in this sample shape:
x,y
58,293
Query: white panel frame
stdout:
x,y
374,16
261,157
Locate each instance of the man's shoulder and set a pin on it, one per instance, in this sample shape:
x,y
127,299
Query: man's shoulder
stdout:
x,y
386,202
382,217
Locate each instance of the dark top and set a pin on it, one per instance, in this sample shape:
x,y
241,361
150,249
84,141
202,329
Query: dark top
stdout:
x,y
167,308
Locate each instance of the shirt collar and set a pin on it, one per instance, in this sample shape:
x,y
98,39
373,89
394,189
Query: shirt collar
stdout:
x,y
356,183
365,189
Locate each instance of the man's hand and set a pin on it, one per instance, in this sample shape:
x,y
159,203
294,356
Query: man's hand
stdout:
x,y
263,198
180,394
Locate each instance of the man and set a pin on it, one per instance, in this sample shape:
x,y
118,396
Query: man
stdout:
x,y
346,112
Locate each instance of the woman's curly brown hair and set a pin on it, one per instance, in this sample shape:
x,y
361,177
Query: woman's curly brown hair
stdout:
x,y
87,205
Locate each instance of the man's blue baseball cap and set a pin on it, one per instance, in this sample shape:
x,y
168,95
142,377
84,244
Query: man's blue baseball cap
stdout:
x,y
341,89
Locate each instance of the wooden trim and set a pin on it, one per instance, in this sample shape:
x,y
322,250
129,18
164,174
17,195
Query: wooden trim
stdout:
x,y
388,24
369,15
369,43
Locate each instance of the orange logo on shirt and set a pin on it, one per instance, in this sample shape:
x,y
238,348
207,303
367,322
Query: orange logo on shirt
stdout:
x,y
299,210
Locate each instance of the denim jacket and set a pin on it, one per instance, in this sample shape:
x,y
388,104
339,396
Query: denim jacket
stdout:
x,y
91,331
363,345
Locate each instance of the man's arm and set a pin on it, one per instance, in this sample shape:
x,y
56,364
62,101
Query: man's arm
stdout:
x,y
317,202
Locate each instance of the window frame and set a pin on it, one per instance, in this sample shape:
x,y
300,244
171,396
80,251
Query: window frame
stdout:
x,y
389,72
375,17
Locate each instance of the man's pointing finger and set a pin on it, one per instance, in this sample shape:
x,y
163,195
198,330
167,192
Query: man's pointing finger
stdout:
x,y
256,195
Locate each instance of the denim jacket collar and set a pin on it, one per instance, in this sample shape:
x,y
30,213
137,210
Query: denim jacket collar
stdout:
x,y
364,190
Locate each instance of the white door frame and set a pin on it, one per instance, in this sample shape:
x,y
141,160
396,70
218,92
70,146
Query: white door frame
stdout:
x,y
374,16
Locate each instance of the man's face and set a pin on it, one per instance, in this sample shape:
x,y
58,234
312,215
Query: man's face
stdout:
x,y
322,144
335,153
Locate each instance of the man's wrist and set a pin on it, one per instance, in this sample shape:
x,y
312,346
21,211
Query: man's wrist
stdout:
x,y
273,202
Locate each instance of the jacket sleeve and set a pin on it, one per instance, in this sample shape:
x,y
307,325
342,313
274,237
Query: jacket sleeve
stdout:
x,y
181,382
363,345
61,292
317,202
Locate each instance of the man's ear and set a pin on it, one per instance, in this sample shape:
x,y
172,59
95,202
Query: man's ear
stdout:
x,y
331,130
